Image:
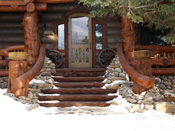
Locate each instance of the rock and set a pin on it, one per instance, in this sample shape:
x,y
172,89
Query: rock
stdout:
x,y
118,70
122,75
134,108
157,80
112,87
165,107
148,107
162,86
133,101
34,106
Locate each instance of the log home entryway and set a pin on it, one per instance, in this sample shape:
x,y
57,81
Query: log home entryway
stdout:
x,y
80,48
78,87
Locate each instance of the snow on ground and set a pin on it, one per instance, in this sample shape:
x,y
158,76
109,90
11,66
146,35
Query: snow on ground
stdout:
x,y
15,117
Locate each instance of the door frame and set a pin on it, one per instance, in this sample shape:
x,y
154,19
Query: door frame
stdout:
x,y
67,15
89,64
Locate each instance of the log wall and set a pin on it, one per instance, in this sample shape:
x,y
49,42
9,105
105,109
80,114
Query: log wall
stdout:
x,y
11,29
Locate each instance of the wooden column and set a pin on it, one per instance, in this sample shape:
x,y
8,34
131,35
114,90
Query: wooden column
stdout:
x,y
128,39
16,69
143,66
31,37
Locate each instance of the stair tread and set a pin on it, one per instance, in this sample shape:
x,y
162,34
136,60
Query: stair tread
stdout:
x,y
81,69
79,91
79,84
79,79
77,97
77,104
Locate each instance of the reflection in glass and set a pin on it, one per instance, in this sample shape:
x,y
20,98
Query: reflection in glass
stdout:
x,y
61,37
99,36
80,30
80,55
72,54
87,55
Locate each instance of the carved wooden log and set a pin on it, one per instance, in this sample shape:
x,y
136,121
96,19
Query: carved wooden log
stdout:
x,y
128,39
39,7
30,74
143,66
16,69
163,71
137,77
5,51
31,35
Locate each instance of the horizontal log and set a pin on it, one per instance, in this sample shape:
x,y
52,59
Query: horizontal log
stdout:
x,y
81,70
54,1
54,17
11,31
77,104
39,7
163,62
156,48
78,79
77,98
19,26
5,51
60,7
144,81
4,73
79,84
163,71
79,74
14,17
79,91
20,32
4,63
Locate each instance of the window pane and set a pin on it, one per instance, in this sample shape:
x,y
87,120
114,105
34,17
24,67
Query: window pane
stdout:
x,y
61,37
80,30
99,36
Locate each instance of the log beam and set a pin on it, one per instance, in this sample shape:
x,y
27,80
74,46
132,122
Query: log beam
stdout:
x,y
4,63
54,1
39,7
4,73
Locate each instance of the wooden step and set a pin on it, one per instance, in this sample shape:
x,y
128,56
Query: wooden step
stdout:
x,y
77,104
77,98
78,79
79,74
79,91
81,70
79,84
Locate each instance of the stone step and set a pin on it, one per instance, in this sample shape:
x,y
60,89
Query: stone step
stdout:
x,y
78,79
77,104
77,98
79,91
79,84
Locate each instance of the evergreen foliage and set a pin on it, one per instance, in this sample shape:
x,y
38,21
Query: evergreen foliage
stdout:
x,y
157,13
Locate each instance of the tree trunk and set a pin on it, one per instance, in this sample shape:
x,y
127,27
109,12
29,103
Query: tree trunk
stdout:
x,y
128,39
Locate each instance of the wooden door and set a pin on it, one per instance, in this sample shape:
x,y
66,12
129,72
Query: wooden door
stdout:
x,y
80,51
